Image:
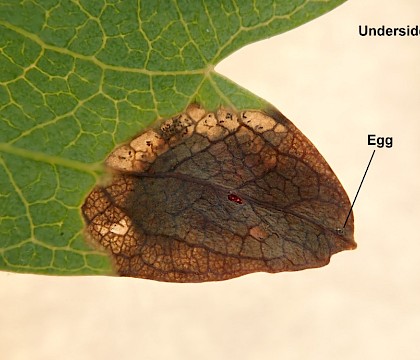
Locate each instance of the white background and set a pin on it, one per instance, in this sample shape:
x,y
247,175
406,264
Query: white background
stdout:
x,y
337,87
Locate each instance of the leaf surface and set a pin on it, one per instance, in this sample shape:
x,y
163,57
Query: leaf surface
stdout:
x,y
80,77
212,196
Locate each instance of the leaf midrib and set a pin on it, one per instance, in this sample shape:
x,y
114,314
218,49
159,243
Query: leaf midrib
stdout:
x,y
220,188
94,60
94,169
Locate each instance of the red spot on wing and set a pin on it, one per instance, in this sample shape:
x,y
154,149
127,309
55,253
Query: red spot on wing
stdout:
x,y
235,198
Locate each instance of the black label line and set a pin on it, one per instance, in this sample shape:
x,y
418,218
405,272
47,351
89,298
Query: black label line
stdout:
x,y
361,183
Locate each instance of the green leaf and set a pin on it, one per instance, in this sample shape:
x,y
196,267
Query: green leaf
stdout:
x,y
79,77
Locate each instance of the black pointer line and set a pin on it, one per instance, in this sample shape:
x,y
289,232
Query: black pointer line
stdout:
x,y
361,183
